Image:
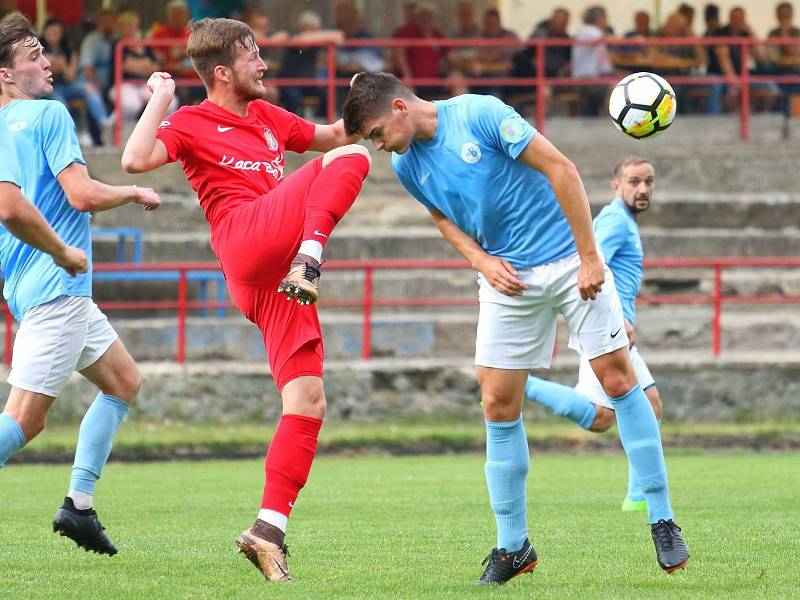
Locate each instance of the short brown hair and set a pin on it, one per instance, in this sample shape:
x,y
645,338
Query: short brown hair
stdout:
x,y
627,161
371,96
215,42
14,28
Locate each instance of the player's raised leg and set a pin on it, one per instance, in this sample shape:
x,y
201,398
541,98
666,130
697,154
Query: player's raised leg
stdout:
x,y
641,439
507,464
331,195
566,402
116,375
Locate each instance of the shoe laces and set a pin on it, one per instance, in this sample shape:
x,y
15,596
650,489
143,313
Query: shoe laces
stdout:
x,y
493,556
665,531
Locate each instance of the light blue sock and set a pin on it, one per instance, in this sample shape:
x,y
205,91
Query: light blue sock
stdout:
x,y
635,492
98,428
561,400
638,430
507,463
11,438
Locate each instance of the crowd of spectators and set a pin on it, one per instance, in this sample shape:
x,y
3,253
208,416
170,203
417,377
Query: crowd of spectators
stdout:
x,y
83,61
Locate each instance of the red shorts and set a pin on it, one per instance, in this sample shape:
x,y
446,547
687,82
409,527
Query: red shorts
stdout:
x,y
256,242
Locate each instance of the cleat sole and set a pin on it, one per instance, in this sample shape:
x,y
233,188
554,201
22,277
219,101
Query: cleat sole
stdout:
x,y
671,570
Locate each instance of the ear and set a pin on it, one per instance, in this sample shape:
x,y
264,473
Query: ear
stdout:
x,y
222,73
615,186
400,106
6,76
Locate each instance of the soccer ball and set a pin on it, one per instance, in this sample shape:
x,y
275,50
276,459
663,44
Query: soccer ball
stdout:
x,y
642,105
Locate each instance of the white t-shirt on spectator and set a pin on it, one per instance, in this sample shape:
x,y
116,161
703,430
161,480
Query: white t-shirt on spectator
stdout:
x,y
590,61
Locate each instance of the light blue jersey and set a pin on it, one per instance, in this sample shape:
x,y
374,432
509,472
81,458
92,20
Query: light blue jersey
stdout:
x,y
617,235
9,166
470,173
44,137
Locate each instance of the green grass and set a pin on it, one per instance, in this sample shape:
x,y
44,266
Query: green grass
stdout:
x,y
432,434
411,527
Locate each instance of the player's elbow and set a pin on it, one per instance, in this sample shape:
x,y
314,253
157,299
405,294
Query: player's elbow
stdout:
x,y
132,165
80,200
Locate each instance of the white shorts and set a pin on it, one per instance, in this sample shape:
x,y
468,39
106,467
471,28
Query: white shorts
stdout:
x,y
589,385
54,339
518,332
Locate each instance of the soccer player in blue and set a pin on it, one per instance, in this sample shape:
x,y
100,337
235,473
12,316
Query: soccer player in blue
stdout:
x,y
617,235
22,219
516,209
61,330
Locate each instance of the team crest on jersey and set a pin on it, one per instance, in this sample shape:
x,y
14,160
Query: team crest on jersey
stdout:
x,y
512,129
470,153
272,143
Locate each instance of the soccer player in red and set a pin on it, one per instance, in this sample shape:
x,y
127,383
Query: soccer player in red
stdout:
x,y
268,232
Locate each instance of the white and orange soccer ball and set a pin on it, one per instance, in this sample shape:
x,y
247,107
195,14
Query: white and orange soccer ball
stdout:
x,y
642,105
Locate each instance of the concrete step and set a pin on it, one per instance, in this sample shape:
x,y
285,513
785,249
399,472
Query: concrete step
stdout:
x,y
451,333
425,242
738,386
388,205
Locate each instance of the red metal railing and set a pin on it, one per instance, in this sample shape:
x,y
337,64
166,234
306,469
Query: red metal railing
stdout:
x,y
538,83
367,302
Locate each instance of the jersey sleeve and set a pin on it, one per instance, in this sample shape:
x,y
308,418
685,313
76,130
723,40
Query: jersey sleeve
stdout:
x,y
297,132
59,140
500,126
172,135
610,232
9,166
405,177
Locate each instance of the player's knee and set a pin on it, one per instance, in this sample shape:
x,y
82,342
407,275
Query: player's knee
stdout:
x,y
603,420
348,150
33,425
497,407
315,405
617,383
127,386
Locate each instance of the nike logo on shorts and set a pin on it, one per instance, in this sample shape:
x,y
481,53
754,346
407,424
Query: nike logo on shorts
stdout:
x,y
613,335
319,233
222,129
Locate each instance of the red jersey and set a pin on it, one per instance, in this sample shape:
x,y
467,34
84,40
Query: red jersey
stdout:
x,y
230,159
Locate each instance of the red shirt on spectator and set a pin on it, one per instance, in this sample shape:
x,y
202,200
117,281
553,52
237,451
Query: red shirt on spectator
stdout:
x,y
173,57
423,61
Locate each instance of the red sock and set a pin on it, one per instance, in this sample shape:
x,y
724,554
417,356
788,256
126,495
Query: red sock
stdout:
x,y
288,461
332,194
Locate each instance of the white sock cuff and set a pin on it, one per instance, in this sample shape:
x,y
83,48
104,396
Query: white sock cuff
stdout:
x,y
273,517
311,248
81,500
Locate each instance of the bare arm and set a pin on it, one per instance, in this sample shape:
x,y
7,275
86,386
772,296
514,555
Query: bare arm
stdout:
x,y
143,151
500,274
542,156
89,195
328,137
25,222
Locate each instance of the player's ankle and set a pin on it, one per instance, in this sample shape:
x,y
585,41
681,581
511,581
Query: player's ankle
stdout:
x,y
268,532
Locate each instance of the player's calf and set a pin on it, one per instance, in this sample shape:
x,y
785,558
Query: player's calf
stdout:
x,y
603,420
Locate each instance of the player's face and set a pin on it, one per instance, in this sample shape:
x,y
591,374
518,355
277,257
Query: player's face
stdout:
x,y
30,70
248,70
635,186
391,132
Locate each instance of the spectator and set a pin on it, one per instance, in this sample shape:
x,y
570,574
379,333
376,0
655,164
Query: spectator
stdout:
x,y
409,19
495,61
679,60
175,27
556,58
727,60
304,61
66,84
787,57
711,17
213,9
687,12
641,31
138,62
462,60
96,63
592,60
350,61
421,61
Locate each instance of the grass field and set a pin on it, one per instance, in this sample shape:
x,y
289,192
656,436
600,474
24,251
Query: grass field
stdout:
x,y
412,527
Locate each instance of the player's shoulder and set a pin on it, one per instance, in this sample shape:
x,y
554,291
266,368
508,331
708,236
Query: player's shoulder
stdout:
x,y
186,114
474,105
611,215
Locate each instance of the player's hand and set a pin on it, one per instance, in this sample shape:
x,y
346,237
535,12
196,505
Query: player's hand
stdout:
x,y
501,275
72,260
591,277
147,198
629,332
161,80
